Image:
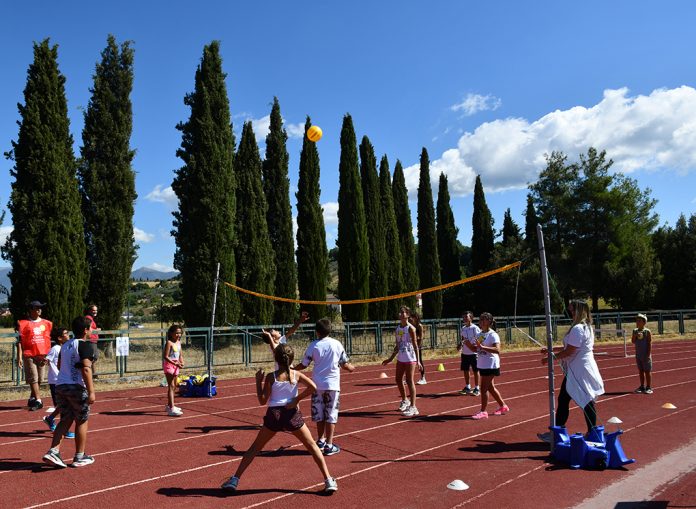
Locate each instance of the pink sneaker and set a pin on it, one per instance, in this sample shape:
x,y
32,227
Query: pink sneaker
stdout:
x,y
481,415
502,410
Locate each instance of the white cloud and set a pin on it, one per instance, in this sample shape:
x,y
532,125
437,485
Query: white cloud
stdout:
x,y
473,103
652,132
4,233
159,267
330,213
295,130
142,236
166,196
261,127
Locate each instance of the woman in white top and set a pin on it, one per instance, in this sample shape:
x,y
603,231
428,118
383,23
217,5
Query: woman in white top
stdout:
x,y
488,364
281,391
582,382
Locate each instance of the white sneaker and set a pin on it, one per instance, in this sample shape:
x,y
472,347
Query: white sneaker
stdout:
x,y
404,405
330,485
410,412
173,412
422,381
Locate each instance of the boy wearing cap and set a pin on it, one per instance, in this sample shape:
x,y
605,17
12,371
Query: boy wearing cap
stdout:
x,y
34,344
642,339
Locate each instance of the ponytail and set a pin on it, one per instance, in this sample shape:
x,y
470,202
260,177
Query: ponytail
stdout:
x,y
284,355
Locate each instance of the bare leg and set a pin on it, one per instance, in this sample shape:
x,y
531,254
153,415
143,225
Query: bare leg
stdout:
x,y
466,376
80,436
330,428
496,394
641,375
171,388
476,378
410,375
399,379
306,438
62,427
262,439
485,384
321,430
35,390
648,379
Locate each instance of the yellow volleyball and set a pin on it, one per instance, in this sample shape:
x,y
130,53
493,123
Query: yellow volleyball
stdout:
x,y
314,133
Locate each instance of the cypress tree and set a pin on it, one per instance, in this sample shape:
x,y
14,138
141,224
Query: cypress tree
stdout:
x,y
402,212
46,247
428,258
375,229
353,250
448,249
205,187
481,246
392,247
107,183
511,232
276,186
530,225
312,255
255,266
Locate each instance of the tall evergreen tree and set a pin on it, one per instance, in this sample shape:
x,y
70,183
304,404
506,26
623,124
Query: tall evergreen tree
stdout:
x,y
402,213
353,250
255,265
312,255
205,186
46,247
276,186
530,225
107,183
394,268
511,232
481,247
448,250
375,229
675,248
428,257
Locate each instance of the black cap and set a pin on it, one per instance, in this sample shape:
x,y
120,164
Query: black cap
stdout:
x,y
36,304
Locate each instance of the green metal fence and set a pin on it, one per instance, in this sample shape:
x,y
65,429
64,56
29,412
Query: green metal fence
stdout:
x,y
242,346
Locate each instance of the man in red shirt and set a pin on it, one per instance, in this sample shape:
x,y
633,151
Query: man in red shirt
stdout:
x,y
34,344
91,315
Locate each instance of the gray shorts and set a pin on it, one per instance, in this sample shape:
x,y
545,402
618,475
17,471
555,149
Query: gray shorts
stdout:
x,y
33,372
644,363
72,402
325,406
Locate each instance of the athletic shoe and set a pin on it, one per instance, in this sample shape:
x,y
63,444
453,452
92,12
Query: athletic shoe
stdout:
x,y
502,410
465,391
50,422
53,458
330,450
481,415
640,390
410,412
173,412
321,443
38,405
545,437
476,392
231,484
69,434
330,485
422,381
178,409
31,402
404,405
82,462
648,390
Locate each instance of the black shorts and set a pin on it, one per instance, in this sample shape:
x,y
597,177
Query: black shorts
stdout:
x,y
468,361
279,418
489,372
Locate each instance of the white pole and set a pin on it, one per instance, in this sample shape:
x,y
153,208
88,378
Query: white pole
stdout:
x,y
549,330
212,332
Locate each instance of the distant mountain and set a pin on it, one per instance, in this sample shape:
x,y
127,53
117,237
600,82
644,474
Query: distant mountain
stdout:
x,y
150,274
141,274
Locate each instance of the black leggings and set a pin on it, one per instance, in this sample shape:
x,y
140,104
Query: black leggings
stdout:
x,y
563,409
420,356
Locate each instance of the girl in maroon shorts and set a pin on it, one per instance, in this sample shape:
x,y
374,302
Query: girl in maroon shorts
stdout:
x,y
281,391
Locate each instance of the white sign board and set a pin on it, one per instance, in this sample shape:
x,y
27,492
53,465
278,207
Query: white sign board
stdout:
x,y
122,344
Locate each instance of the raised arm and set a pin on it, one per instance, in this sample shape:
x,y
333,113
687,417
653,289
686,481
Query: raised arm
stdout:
x,y
304,316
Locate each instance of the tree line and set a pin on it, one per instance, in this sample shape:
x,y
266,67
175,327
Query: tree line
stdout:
x,y
73,243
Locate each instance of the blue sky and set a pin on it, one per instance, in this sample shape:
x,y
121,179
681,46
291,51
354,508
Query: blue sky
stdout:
x,y
487,87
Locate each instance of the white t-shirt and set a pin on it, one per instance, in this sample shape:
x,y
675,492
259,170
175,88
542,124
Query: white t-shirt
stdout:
x,y
71,355
583,381
328,356
52,358
488,360
469,334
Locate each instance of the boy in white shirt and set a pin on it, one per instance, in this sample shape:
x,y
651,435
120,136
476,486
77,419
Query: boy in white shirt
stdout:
x,y
60,335
468,334
329,357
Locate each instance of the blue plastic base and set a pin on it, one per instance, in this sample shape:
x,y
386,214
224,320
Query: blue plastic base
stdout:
x,y
594,451
205,389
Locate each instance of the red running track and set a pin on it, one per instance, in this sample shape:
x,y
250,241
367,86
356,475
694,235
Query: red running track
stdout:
x,y
144,458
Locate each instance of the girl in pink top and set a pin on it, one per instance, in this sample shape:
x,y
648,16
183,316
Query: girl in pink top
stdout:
x,y
172,361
